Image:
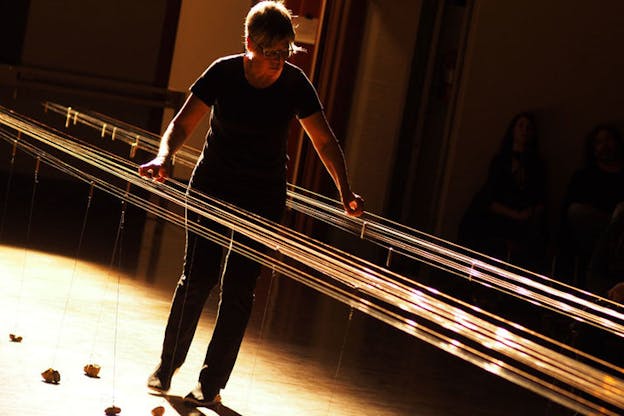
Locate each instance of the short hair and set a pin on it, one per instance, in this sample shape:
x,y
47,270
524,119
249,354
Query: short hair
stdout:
x,y
270,21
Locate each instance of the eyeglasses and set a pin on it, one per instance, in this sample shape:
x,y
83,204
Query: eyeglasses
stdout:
x,y
275,53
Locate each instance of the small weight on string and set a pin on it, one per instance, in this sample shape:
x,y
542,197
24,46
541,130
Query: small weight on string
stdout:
x,y
158,411
133,147
15,338
111,411
92,370
51,376
68,118
389,257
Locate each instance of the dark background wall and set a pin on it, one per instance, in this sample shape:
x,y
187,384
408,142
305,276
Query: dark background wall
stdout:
x,y
559,59
115,39
112,57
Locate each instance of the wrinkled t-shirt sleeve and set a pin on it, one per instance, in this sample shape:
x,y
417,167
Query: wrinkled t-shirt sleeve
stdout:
x,y
307,102
206,87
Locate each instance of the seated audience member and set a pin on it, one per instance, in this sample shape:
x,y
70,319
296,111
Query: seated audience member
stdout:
x,y
591,197
605,274
506,218
605,278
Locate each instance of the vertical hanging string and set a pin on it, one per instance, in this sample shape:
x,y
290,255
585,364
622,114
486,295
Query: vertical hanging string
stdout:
x,y
26,243
265,313
117,250
185,279
73,277
340,357
274,275
7,190
32,199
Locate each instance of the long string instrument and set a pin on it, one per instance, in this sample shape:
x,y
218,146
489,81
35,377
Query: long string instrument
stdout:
x,y
543,365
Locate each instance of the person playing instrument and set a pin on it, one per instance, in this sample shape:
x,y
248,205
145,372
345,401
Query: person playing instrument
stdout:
x,y
253,97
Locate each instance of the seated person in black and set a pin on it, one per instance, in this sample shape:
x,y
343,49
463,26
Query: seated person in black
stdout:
x,y
589,203
253,97
605,274
506,217
605,278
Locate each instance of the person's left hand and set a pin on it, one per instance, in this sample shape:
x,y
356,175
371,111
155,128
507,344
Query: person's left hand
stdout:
x,y
353,204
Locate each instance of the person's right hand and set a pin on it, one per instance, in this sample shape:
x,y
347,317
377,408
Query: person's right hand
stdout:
x,y
616,293
157,169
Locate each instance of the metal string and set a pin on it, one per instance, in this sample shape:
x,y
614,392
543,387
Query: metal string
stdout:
x,y
27,241
7,190
73,274
117,252
428,249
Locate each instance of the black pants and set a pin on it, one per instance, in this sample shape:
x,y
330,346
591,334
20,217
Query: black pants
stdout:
x,y
206,264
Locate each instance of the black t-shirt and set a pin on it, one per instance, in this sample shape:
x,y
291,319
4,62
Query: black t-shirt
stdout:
x,y
503,187
246,144
603,190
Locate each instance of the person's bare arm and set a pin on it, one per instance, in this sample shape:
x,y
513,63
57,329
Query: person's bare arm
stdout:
x,y
328,149
177,132
531,213
505,211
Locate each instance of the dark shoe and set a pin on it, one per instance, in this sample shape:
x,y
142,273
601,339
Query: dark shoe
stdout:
x,y
157,381
197,398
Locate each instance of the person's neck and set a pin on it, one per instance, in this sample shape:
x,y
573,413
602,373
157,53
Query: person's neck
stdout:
x,y
256,78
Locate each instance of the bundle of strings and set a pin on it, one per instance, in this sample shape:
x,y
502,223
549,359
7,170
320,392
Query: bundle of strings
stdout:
x,y
396,238
529,359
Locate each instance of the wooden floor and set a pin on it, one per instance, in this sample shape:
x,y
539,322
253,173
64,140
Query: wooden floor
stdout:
x,y
71,313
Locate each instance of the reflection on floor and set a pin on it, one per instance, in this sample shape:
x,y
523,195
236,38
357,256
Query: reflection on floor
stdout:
x,y
309,357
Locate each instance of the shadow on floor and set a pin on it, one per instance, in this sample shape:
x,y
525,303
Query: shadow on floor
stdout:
x,y
177,403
